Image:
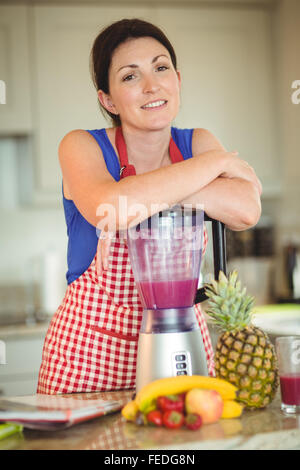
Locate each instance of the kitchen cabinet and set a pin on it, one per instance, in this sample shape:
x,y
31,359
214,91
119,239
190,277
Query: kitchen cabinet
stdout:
x,y
16,113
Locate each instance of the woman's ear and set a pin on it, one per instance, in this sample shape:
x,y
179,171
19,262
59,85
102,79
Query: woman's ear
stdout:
x,y
106,102
179,78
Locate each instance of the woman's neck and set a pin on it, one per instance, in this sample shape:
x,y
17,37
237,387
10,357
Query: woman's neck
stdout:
x,y
147,149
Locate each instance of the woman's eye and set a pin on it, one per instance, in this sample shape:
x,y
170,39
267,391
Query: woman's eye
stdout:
x,y
162,68
128,78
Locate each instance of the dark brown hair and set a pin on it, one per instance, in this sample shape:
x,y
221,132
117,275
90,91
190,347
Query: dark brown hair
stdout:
x,y
106,43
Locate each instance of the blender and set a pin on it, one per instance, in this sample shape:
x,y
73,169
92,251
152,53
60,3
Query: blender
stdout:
x,y
166,252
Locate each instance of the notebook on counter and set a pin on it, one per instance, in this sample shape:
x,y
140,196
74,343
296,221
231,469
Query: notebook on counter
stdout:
x,y
54,411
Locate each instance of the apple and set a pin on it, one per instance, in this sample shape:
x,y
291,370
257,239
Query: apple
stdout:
x,y
206,403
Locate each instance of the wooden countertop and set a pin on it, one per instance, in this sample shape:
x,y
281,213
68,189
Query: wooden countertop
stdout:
x,y
262,429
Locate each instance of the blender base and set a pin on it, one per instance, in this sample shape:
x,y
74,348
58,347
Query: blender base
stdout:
x,y
169,354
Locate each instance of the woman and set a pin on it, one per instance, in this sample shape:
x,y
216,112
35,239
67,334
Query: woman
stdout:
x,y
91,343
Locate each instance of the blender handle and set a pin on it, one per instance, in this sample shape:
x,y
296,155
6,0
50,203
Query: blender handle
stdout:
x,y
219,249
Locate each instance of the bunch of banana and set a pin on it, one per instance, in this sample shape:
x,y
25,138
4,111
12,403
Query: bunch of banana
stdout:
x,y
145,400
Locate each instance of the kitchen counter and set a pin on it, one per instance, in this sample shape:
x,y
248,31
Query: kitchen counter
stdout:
x,y
261,429
23,330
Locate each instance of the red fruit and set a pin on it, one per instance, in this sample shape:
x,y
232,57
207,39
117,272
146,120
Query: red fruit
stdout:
x,y
206,403
193,421
155,417
171,402
173,419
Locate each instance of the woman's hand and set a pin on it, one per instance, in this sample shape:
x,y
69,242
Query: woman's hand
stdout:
x,y
231,166
235,167
103,247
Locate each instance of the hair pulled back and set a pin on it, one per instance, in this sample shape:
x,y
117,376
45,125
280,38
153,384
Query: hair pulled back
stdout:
x,y
107,42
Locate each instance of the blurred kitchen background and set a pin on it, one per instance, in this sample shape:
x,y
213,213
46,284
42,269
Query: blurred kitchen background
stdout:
x,y
238,60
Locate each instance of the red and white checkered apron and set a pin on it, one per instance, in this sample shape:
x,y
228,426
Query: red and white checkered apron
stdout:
x,y
91,343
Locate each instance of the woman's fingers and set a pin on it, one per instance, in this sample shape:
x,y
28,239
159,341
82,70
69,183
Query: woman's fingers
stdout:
x,y
236,167
255,180
103,247
99,259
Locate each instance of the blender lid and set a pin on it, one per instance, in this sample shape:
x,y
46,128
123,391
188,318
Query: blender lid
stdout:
x,y
173,215
179,211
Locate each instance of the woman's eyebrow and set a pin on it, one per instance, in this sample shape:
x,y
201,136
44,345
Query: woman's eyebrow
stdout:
x,y
135,66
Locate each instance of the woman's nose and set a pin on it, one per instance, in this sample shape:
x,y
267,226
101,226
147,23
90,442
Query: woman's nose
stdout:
x,y
150,84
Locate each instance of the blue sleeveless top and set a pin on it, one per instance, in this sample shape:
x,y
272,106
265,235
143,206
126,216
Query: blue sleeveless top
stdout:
x,y
82,236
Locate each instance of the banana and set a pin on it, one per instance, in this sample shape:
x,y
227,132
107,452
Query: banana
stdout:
x,y
180,384
232,409
129,411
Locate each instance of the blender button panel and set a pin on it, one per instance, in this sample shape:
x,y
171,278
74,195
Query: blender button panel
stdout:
x,y
181,363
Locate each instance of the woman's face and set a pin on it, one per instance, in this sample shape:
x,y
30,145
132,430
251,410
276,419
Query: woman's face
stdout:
x,y
144,86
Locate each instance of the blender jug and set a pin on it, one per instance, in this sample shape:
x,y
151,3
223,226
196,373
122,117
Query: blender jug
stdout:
x,y
165,252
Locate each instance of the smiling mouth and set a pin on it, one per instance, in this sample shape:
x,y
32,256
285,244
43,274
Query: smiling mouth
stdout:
x,y
154,104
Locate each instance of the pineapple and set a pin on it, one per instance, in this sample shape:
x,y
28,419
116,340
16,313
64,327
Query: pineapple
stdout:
x,y
244,354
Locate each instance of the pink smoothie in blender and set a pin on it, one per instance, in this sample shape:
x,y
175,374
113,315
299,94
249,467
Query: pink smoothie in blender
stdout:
x,y
168,294
166,268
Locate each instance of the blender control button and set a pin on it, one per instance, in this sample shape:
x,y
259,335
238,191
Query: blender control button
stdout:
x,y
180,357
181,365
182,372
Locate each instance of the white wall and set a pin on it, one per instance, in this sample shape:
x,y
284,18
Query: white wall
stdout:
x,y
287,34
25,234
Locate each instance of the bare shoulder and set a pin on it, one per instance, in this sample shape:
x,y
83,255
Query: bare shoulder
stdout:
x,y
203,141
76,141
82,164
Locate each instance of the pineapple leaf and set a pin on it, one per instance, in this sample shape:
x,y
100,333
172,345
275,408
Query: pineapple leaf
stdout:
x,y
232,278
229,306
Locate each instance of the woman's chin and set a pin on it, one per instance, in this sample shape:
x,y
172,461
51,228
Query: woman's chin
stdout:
x,y
158,123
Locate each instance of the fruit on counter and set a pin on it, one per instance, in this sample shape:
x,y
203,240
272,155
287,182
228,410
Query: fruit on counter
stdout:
x,y
147,396
155,417
232,409
244,355
173,419
193,421
206,403
171,402
129,411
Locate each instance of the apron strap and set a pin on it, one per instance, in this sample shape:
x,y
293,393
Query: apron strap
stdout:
x,y
175,154
129,170
126,169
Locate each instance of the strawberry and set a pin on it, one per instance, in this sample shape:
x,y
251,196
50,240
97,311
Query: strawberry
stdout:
x,y
193,421
172,419
171,402
155,417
